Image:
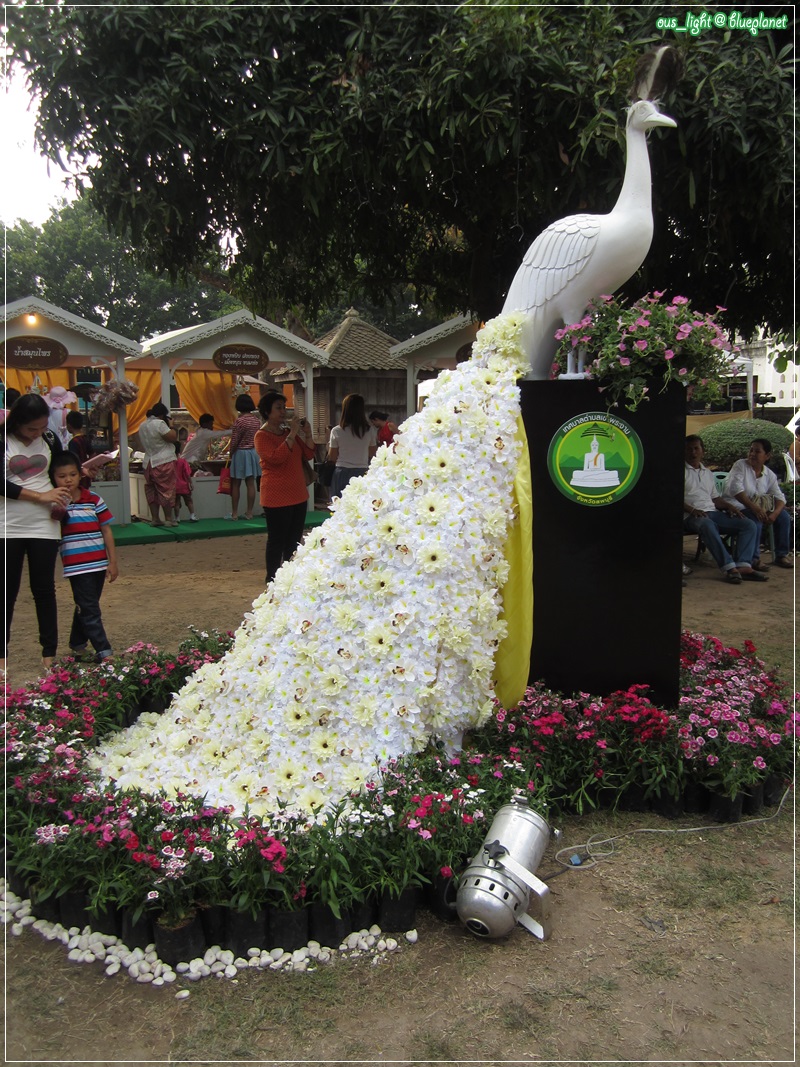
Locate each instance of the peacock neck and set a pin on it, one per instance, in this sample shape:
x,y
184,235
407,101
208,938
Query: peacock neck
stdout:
x,y
636,192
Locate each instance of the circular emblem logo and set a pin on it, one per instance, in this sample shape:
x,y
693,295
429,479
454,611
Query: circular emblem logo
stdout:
x,y
595,458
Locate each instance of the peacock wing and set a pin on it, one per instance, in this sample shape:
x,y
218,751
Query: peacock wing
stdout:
x,y
558,254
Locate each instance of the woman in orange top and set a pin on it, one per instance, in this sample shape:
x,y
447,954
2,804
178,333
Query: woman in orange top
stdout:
x,y
281,447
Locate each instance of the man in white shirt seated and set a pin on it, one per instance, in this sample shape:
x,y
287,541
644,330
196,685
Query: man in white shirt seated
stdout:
x,y
708,514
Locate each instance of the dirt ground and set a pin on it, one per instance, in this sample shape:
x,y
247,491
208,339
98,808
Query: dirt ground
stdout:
x,y
677,947
163,589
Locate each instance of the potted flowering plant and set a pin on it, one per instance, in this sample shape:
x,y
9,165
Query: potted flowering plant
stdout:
x,y
626,347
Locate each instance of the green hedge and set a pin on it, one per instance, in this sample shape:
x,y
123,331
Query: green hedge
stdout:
x,y
725,442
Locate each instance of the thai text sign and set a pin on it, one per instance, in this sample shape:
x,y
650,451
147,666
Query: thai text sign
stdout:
x,y
33,353
240,359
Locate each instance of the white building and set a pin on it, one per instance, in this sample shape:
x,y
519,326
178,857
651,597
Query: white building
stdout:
x,y
783,386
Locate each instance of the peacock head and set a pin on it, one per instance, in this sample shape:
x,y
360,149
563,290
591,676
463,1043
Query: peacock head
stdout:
x,y
644,114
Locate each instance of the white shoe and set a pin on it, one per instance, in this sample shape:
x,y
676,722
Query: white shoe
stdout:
x,y
193,518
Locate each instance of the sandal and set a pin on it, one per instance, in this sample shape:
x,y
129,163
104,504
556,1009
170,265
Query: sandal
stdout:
x,y
156,523
782,561
733,577
757,565
754,576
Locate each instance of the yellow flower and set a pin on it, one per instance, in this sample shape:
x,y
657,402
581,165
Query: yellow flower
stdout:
x,y
324,744
298,717
379,637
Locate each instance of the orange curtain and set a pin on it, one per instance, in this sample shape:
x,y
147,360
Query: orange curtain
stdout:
x,y
149,382
23,379
208,391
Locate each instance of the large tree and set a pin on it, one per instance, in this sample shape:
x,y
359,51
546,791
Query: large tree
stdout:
x,y
75,263
421,145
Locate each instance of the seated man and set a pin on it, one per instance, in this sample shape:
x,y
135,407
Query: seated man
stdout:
x,y
708,514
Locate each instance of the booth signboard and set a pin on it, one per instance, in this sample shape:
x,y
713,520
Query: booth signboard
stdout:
x,y
240,359
33,353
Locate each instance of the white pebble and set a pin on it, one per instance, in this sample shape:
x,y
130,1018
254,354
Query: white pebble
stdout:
x,y
299,954
182,968
275,965
375,930
253,952
381,945
89,956
362,945
226,956
168,976
74,954
211,956
145,977
391,944
324,956
17,929
412,937
158,981
217,966
276,953
352,940
133,970
314,944
182,994
300,965
370,940
195,966
231,971
112,969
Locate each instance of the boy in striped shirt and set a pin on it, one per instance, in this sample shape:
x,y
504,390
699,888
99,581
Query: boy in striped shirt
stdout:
x,y
88,553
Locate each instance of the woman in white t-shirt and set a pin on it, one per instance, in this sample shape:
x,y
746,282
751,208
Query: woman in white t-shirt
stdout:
x,y
753,488
352,444
30,528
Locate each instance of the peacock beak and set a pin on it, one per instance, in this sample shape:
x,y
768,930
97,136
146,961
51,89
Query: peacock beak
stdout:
x,y
657,119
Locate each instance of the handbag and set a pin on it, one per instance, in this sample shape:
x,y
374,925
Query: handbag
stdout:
x,y
309,473
325,473
224,486
765,501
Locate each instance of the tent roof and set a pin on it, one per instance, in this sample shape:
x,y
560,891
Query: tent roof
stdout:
x,y
243,323
441,342
103,341
356,345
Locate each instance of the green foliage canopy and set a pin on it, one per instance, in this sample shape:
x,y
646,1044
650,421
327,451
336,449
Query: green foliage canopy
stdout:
x,y
426,145
73,261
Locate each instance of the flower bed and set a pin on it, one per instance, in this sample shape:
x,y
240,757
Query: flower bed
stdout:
x,y
418,819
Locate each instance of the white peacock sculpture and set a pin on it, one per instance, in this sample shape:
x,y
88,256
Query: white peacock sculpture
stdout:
x,y
382,631
585,256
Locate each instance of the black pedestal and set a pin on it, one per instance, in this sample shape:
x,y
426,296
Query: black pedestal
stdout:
x,y
607,578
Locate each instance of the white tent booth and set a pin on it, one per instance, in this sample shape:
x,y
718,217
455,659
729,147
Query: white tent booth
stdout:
x,y
238,344
439,348
45,345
